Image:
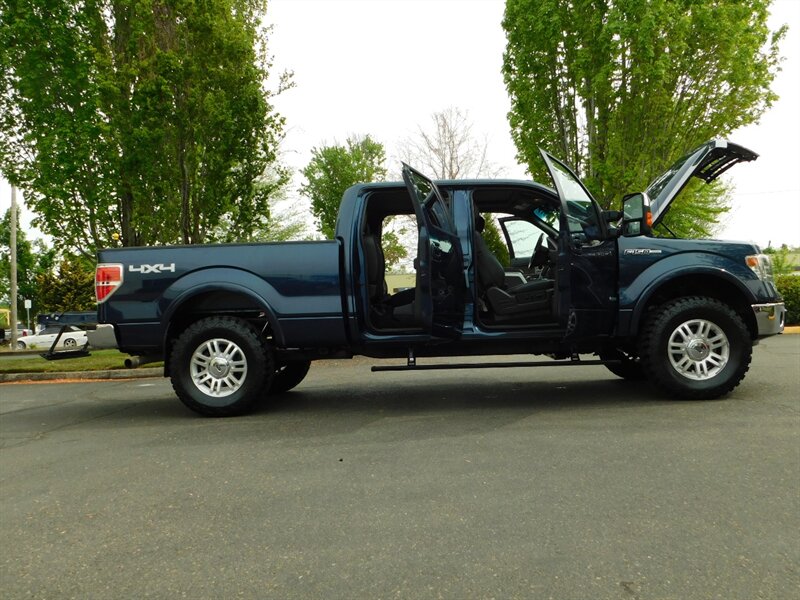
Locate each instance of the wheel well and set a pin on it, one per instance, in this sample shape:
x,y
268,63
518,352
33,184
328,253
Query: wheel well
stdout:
x,y
708,286
213,303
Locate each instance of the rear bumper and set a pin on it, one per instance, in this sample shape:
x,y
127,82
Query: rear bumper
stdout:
x,y
770,318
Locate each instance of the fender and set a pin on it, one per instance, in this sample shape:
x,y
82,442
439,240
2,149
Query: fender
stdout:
x,y
221,279
635,296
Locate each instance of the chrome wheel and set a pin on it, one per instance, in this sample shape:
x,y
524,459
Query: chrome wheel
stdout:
x,y
218,367
695,348
70,342
698,349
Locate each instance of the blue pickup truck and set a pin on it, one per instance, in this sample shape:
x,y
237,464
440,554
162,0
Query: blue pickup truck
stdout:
x,y
238,323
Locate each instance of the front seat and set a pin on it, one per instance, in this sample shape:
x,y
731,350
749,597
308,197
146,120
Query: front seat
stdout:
x,y
534,297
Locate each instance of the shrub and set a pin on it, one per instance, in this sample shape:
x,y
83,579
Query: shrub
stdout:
x,y
789,287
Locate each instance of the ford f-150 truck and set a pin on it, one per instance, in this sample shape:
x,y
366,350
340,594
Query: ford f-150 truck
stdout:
x,y
241,322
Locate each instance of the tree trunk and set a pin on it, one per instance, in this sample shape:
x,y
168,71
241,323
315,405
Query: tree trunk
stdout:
x,y
186,216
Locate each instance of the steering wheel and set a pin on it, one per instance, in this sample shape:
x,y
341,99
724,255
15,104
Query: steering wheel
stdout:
x,y
536,255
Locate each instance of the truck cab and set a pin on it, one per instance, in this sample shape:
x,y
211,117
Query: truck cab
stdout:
x,y
463,293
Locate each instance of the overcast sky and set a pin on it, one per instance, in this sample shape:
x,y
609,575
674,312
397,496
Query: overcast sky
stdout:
x,y
382,67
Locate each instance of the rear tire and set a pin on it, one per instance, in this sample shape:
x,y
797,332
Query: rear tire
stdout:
x,y
288,375
695,348
219,366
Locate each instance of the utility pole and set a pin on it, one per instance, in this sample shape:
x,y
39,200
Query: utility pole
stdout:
x,y
13,248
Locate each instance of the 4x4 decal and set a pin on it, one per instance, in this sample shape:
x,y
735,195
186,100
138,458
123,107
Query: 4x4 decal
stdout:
x,y
157,268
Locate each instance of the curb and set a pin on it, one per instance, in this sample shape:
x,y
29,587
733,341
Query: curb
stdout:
x,y
792,329
89,375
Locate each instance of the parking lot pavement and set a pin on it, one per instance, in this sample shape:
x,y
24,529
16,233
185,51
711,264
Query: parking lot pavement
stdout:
x,y
513,483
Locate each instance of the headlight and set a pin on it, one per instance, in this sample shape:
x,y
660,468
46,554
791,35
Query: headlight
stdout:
x,y
761,265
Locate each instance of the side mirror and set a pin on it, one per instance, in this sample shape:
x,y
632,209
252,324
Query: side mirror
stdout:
x,y
636,216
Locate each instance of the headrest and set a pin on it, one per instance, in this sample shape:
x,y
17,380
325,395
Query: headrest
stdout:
x,y
480,223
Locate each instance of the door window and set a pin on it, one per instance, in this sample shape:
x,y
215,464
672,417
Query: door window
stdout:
x,y
522,237
581,212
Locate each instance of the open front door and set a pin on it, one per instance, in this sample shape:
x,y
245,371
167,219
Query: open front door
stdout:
x,y
441,285
586,276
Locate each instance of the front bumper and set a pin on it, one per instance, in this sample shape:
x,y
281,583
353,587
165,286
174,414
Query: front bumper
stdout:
x,y
770,318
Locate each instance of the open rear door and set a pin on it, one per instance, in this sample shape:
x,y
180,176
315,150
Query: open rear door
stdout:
x,y
441,285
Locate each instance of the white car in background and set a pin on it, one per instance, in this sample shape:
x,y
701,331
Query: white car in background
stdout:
x,y
21,332
73,337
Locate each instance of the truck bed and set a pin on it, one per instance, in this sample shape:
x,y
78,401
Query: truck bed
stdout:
x,y
296,283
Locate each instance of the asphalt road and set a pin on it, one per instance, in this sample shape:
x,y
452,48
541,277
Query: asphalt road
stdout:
x,y
516,483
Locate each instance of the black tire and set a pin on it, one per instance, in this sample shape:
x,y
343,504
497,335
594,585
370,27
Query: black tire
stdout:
x,y
695,348
219,365
70,343
21,345
629,366
288,375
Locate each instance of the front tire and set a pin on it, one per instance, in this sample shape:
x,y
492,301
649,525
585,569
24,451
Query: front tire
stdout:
x,y
695,348
219,366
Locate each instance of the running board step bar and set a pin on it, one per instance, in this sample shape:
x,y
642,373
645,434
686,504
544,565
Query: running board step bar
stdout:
x,y
495,365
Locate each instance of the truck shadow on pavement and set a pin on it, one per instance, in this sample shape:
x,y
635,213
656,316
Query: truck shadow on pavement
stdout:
x,y
375,409
424,397
424,410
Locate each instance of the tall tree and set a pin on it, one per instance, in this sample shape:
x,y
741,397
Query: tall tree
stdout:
x,y
620,89
333,169
148,118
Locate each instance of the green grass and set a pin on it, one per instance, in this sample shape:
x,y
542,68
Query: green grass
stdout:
x,y
100,360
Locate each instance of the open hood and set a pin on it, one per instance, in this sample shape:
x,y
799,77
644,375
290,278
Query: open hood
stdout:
x,y
707,162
